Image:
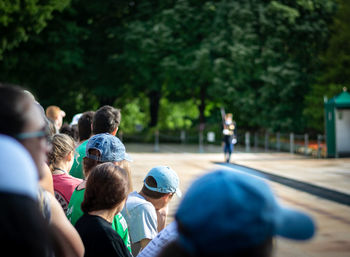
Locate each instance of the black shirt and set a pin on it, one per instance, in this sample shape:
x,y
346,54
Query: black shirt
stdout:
x,y
23,230
99,238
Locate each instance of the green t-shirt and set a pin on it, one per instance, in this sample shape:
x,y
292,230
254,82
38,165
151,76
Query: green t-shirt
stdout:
x,y
74,212
77,168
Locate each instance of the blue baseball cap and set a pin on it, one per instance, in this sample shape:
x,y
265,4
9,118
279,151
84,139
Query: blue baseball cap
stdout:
x,y
110,147
167,180
226,211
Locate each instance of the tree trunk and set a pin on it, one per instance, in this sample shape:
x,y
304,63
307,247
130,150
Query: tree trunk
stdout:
x,y
154,98
201,107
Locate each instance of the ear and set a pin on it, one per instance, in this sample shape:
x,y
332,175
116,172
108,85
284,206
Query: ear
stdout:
x,y
70,156
114,132
168,197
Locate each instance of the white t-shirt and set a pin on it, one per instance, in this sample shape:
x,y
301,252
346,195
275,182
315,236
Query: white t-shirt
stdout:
x,y
141,217
167,235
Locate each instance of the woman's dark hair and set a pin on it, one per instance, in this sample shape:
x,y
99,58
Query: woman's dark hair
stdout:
x,y
14,106
84,125
106,120
150,181
70,130
106,187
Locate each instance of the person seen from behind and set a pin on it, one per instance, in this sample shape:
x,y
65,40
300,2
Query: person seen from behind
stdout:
x,y
101,148
23,230
21,119
70,130
61,157
146,211
56,115
105,120
85,132
227,213
105,196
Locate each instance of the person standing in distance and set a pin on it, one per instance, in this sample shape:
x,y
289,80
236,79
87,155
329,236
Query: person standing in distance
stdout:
x,y
229,138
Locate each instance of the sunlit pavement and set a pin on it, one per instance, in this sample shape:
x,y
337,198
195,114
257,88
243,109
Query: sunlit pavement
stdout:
x,y
333,219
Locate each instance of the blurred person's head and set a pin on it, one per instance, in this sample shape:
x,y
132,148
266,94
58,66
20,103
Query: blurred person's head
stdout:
x,y
160,184
75,119
23,231
106,120
70,130
62,151
228,117
21,118
106,189
227,213
55,114
18,172
105,148
50,127
85,125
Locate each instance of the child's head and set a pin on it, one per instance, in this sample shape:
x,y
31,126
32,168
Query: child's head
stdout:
x,y
56,115
161,180
106,188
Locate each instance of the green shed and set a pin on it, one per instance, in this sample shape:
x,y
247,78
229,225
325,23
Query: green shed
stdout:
x,y
337,111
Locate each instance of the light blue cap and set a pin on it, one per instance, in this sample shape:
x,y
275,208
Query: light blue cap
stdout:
x,y
18,172
110,147
167,180
226,211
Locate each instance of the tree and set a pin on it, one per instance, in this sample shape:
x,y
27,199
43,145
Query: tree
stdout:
x,y
19,20
74,63
257,57
146,43
254,56
334,73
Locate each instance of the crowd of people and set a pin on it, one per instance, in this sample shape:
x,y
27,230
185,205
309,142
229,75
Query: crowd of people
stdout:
x,y
66,190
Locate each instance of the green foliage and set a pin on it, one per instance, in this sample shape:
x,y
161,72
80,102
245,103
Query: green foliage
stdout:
x,y
334,73
19,20
73,65
176,116
254,57
336,58
134,115
172,116
314,102
171,64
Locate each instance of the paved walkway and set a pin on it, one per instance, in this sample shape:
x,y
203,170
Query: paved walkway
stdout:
x,y
333,219
329,173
